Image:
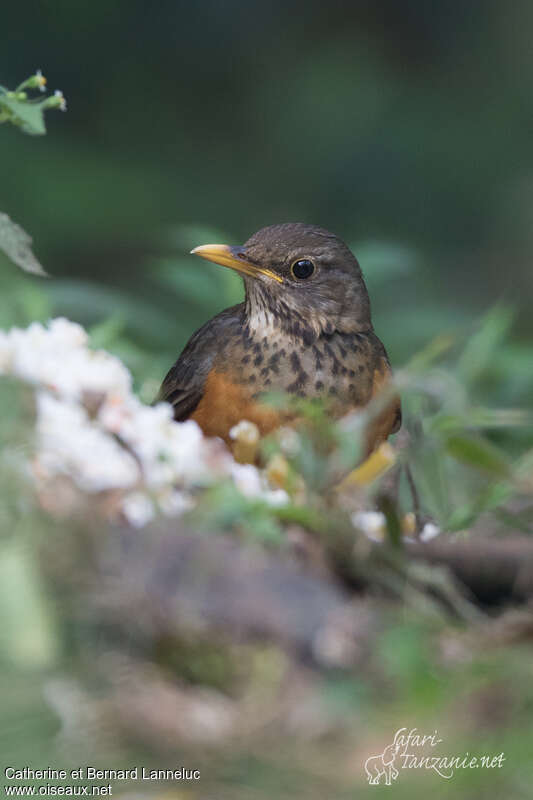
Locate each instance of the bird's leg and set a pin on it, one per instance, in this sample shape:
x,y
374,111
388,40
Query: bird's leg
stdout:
x,y
419,524
391,483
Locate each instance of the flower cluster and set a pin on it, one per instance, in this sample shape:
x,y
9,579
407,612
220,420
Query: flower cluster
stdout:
x,y
57,100
92,430
36,81
374,525
22,108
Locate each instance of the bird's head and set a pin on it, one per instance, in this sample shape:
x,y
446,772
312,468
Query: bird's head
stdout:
x,y
298,278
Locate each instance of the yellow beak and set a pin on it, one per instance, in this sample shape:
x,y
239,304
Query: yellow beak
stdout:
x,y
234,258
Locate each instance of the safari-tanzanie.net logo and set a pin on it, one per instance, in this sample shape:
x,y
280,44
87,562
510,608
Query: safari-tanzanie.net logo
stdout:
x,y
411,750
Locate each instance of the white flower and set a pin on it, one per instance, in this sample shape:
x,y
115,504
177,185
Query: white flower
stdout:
x,y
138,509
40,80
170,452
92,428
289,441
58,358
276,497
62,104
66,333
245,432
429,531
174,503
371,523
251,483
247,479
188,451
69,444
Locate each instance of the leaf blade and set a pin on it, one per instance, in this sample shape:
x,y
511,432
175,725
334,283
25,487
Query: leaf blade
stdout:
x,y
16,244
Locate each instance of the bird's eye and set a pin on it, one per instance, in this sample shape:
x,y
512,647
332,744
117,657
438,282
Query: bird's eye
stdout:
x,y
302,269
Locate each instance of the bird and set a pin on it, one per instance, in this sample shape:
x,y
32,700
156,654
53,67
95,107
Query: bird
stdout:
x,y
304,328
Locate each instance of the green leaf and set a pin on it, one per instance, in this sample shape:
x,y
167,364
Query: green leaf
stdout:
x,y
477,452
28,636
431,353
479,351
432,479
16,244
481,418
29,116
394,526
492,496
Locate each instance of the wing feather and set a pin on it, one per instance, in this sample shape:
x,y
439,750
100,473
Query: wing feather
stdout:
x,y
184,383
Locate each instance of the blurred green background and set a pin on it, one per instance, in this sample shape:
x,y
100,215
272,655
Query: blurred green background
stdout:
x,y
405,128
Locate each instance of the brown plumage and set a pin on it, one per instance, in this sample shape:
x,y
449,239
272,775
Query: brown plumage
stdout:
x,y
304,328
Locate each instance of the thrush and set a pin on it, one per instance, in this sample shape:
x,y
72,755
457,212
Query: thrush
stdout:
x,y
304,328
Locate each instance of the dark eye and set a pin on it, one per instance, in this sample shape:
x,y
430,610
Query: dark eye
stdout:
x,y
303,268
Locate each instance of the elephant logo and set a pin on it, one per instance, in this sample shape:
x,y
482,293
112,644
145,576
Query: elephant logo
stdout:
x,y
383,764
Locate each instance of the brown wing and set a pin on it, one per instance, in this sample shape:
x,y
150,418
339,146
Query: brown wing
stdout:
x,y
183,386
389,420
